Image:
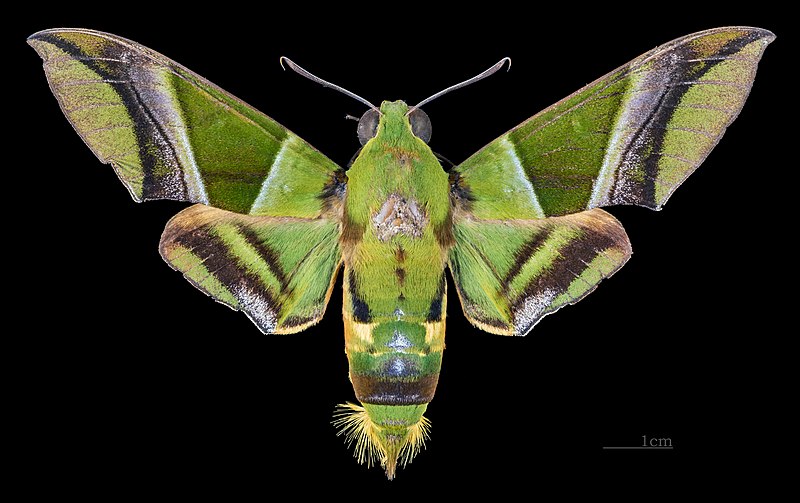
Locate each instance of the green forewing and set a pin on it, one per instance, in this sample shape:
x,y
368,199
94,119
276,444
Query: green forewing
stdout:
x,y
630,137
171,134
278,270
511,273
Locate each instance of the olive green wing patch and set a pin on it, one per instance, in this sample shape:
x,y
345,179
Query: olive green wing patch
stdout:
x,y
171,134
631,137
279,271
509,274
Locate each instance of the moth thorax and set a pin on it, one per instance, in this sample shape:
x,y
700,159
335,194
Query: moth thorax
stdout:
x,y
399,215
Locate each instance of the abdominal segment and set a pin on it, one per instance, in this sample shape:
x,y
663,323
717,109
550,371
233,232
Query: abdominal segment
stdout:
x,y
398,364
395,356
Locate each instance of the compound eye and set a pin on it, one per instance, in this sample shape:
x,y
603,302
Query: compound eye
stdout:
x,y
420,124
368,125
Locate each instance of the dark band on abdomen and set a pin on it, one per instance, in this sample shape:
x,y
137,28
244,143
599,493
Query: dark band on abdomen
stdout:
x,y
385,390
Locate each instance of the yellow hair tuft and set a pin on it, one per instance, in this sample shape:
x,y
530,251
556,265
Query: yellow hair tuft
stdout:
x,y
375,443
354,423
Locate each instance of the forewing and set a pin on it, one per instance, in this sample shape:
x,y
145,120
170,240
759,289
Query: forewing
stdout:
x,y
509,274
279,271
630,137
171,134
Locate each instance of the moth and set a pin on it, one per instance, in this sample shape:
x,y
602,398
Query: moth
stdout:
x,y
518,224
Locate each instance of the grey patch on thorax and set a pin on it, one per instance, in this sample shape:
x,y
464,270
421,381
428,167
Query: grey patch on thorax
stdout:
x,y
399,216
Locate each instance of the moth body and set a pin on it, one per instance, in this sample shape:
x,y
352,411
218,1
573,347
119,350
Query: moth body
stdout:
x,y
395,245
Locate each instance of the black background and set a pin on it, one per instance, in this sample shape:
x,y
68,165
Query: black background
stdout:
x,y
133,382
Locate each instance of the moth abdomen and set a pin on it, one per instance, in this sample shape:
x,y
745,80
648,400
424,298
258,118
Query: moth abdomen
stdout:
x,y
394,369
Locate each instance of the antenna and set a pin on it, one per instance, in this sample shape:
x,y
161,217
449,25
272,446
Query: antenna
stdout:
x,y
474,79
305,73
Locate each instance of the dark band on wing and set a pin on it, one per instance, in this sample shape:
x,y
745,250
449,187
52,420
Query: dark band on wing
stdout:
x,y
147,130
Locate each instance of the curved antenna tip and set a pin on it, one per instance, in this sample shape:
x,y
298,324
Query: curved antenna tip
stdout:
x,y
493,69
324,83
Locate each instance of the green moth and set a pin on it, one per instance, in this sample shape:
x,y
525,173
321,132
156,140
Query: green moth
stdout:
x,y
518,224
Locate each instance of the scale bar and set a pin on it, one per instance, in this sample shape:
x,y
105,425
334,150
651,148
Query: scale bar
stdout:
x,y
640,447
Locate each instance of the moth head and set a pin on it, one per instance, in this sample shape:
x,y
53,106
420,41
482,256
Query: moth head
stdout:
x,y
418,120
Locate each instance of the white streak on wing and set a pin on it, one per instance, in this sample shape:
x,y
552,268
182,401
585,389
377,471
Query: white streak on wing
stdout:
x,y
261,199
161,103
625,127
641,100
532,310
191,173
257,309
602,185
522,177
